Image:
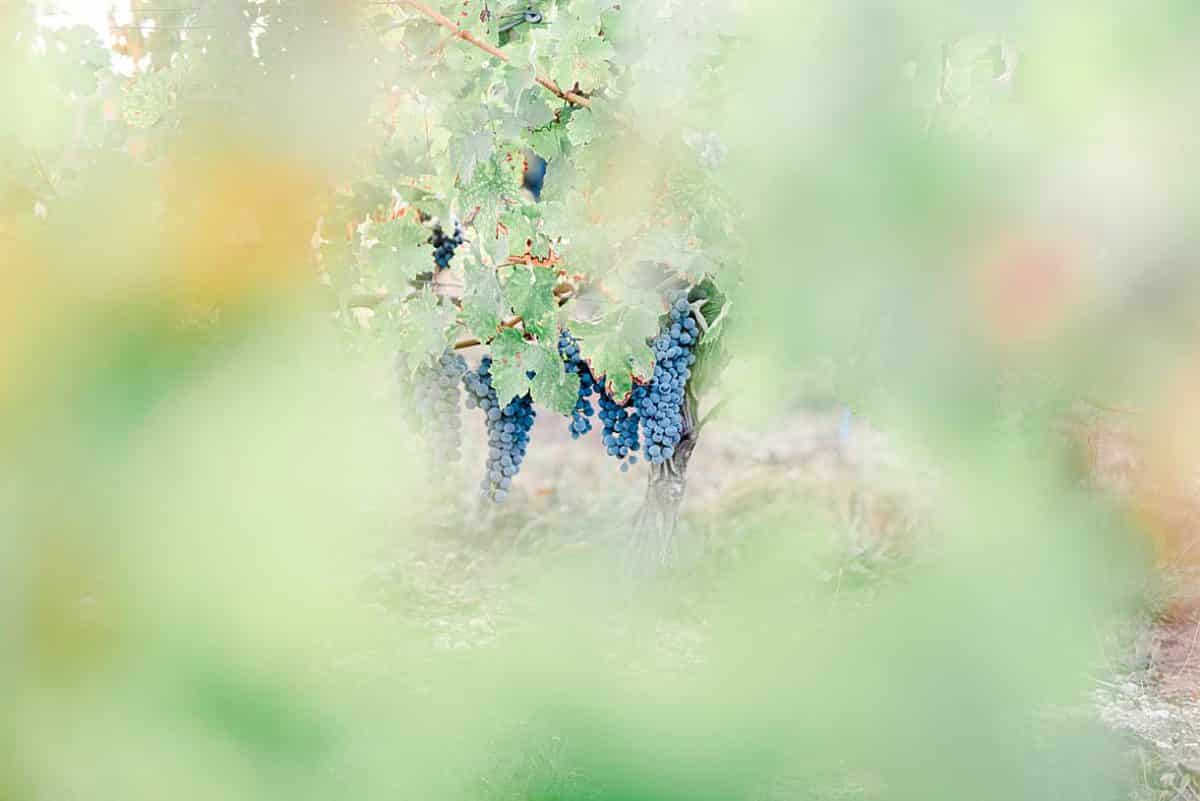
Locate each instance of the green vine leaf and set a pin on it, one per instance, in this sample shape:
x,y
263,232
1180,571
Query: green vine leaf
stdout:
x,y
711,353
530,293
521,223
616,348
533,109
473,146
520,365
510,367
552,386
481,300
426,327
582,128
582,56
397,253
549,142
495,185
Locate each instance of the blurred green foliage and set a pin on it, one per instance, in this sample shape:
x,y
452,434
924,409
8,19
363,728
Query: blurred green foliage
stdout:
x,y
968,215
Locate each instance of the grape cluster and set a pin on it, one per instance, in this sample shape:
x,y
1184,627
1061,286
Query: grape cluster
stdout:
x,y
444,246
581,415
620,429
620,424
659,403
432,394
508,430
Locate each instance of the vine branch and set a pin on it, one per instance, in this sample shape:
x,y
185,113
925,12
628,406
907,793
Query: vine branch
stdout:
x,y
421,8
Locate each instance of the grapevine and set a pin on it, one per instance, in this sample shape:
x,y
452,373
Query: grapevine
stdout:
x,y
558,307
260,244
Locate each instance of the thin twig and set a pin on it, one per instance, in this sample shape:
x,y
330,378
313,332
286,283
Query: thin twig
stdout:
x,y
467,36
470,342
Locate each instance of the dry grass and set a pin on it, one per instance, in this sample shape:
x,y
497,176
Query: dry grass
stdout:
x,y
880,505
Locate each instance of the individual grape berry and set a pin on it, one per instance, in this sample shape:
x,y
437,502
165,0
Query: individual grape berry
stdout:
x,y
508,429
431,394
444,246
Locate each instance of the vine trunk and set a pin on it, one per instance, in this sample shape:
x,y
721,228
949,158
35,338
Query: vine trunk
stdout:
x,y
653,545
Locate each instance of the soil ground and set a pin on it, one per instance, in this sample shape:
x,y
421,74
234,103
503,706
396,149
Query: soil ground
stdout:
x,y
878,502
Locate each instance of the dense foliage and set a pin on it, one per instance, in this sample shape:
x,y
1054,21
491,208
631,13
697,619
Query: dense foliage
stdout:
x,y
507,146
533,260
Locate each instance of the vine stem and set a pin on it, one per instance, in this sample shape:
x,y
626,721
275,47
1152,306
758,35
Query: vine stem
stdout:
x,y
470,342
421,8
652,547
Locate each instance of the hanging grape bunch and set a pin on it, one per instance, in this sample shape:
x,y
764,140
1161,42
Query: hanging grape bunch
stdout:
x,y
656,406
508,430
620,429
659,403
444,246
648,423
620,424
431,394
581,415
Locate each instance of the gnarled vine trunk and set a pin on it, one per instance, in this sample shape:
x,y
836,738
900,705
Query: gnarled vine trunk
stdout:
x,y
653,543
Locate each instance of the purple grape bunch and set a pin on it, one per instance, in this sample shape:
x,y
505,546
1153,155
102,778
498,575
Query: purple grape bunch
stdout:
x,y
432,393
659,402
508,429
654,411
620,425
620,429
443,245
581,415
